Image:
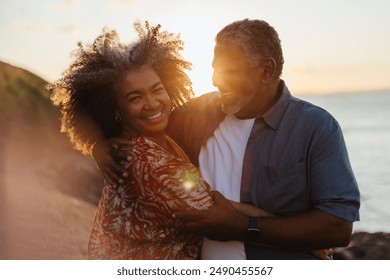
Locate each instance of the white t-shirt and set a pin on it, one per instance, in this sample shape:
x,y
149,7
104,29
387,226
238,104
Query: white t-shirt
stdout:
x,y
220,163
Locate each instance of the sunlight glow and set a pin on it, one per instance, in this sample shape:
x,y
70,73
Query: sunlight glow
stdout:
x,y
327,47
188,185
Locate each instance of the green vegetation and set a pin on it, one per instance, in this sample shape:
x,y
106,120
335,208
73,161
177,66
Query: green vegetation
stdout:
x,y
23,95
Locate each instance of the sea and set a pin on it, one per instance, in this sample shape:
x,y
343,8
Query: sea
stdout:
x,y
365,121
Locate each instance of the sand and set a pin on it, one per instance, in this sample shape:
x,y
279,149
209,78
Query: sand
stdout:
x,y
48,196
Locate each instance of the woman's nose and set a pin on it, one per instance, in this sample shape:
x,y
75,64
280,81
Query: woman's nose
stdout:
x,y
152,102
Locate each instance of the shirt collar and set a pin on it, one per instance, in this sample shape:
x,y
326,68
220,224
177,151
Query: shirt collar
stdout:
x,y
275,114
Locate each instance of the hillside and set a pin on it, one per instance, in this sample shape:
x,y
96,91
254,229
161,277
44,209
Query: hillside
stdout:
x,y
48,191
22,95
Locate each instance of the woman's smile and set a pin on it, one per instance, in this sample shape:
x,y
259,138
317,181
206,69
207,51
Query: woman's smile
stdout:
x,y
143,103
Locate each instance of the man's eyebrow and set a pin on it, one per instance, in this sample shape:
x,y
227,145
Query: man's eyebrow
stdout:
x,y
157,84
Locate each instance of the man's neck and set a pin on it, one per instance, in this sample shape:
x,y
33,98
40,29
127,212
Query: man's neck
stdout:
x,y
260,106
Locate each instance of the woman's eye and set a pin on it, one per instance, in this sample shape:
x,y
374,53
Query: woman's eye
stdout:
x,y
134,99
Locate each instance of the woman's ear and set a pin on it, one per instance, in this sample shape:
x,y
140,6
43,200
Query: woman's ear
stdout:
x,y
118,117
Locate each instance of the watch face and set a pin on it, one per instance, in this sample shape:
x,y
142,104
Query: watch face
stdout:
x,y
251,235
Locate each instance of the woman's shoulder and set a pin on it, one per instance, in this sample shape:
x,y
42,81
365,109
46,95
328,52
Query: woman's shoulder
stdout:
x,y
146,152
142,144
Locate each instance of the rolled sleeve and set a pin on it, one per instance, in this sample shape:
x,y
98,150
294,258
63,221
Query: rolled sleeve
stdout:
x,y
333,185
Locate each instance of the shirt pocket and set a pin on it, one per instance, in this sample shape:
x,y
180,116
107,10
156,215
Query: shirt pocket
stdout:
x,y
284,188
285,171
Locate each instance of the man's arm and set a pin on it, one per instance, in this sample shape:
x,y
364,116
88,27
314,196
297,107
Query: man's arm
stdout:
x,y
88,138
311,230
108,156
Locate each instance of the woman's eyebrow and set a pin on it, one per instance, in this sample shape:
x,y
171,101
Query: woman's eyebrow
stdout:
x,y
137,91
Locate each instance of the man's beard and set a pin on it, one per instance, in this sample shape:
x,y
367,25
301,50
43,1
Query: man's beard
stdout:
x,y
238,105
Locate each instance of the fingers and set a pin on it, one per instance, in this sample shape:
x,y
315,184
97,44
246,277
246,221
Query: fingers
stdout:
x,y
189,227
110,177
220,200
216,196
122,142
323,254
190,220
329,252
118,154
187,215
111,158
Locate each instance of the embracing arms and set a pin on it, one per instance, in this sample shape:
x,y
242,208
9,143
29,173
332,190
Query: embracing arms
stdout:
x,y
311,230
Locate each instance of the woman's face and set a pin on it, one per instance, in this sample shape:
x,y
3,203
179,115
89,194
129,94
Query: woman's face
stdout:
x,y
143,103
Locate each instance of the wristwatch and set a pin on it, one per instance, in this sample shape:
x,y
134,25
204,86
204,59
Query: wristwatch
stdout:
x,y
253,230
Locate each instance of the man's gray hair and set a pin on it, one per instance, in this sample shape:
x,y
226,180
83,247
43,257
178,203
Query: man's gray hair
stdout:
x,y
257,39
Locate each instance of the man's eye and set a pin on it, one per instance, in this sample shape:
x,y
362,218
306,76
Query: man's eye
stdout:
x,y
159,90
228,72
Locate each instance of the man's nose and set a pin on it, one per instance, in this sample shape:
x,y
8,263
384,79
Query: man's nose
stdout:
x,y
217,78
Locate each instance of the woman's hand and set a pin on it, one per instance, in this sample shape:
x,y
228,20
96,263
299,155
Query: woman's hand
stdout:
x,y
221,222
250,210
110,158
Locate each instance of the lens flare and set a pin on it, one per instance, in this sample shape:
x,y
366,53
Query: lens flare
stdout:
x,y
188,185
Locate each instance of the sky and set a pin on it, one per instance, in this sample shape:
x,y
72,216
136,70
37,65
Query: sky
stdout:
x,y
329,46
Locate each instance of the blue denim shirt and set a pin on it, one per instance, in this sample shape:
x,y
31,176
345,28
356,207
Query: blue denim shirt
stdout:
x,y
295,161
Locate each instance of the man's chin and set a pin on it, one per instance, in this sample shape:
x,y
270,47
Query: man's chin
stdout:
x,y
232,105
230,109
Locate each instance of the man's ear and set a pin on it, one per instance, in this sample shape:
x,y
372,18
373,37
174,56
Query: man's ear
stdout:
x,y
268,68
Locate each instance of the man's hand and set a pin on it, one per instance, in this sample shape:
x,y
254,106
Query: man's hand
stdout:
x,y
221,222
323,254
111,159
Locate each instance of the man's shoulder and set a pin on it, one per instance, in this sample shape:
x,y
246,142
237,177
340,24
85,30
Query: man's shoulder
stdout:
x,y
207,105
310,111
209,99
312,118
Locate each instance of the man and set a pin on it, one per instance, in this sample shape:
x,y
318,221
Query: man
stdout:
x,y
257,144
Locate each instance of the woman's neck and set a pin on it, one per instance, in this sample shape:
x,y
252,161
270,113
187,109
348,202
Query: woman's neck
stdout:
x,y
158,139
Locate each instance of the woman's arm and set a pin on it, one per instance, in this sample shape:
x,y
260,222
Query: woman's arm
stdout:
x,y
250,210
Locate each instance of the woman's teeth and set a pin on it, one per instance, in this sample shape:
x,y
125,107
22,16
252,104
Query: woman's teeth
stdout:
x,y
155,116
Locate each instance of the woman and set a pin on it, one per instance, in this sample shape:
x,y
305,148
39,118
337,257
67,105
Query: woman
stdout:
x,y
129,92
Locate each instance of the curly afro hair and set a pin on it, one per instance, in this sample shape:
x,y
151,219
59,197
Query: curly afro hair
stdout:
x,y
86,92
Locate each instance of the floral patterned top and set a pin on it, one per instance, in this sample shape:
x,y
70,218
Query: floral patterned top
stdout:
x,y
135,221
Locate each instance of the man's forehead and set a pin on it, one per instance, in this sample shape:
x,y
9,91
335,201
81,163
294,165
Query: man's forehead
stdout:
x,y
228,54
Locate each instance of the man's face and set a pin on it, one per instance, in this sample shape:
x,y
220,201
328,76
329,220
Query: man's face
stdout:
x,y
235,80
